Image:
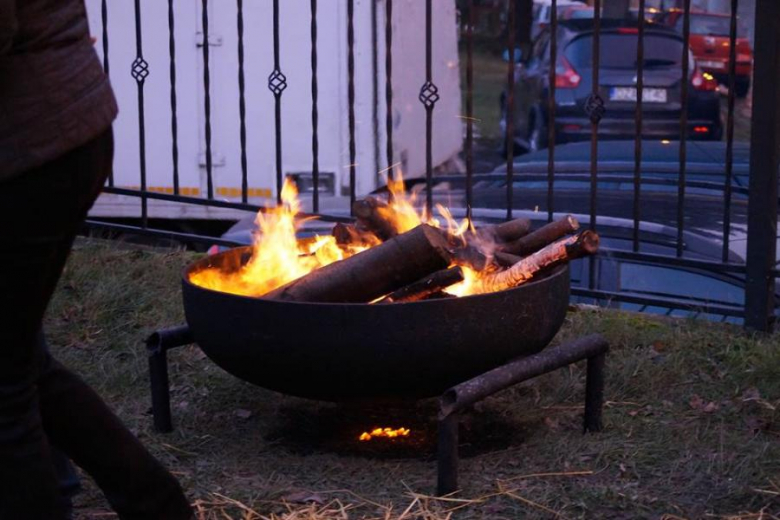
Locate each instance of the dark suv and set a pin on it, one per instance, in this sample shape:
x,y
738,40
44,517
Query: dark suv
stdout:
x,y
661,109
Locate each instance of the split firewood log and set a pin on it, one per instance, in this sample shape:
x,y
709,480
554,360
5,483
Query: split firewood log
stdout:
x,y
467,254
371,214
570,248
506,259
506,231
470,256
541,237
424,288
349,235
374,272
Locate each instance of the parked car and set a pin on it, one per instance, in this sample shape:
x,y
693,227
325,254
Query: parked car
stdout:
x,y
713,295
575,12
710,44
617,86
542,9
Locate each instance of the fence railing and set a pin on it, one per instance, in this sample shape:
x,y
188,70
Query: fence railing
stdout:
x,y
756,273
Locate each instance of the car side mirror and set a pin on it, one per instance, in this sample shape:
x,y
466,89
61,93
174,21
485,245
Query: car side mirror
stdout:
x,y
518,55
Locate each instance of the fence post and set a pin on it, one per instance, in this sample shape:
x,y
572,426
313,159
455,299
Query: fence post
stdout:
x,y
764,160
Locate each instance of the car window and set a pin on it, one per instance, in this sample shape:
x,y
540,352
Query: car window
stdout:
x,y
618,51
580,14
707,25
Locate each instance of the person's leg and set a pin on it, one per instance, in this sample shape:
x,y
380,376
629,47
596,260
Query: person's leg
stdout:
x,y
79,423
68,482
37,221
40,213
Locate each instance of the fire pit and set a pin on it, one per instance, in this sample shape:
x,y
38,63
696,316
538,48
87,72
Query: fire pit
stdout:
x,y
353,352
394,307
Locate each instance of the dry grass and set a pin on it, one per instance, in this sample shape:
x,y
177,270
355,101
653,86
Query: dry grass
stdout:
x,y
692,428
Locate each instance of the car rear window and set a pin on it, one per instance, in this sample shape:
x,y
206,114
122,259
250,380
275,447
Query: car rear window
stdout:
x,y
707,25
580,14
618,51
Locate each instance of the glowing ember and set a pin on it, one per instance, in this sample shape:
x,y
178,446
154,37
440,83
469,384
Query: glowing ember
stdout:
x,y
388,433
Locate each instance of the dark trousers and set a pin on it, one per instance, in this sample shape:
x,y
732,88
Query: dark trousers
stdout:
x,y
42,404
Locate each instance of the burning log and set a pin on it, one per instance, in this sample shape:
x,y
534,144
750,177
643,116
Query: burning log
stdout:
x,y
349,235
470,256
541,237
506,231
372,214
372,273
570,248
506,259
429,285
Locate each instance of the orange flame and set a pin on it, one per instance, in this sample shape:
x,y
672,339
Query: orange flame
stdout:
x,y
279,257
401,211
388,433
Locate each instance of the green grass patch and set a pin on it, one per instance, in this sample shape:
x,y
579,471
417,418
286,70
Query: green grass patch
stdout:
x,y
691,420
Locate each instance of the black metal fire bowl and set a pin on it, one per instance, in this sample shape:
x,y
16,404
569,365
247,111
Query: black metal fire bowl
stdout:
x,y
361,352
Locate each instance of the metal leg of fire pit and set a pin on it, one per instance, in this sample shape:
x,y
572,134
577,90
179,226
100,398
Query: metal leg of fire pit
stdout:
x,y
158,345
448,454
458,398
594,393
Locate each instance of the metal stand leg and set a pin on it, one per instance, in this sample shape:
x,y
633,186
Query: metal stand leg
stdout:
x,y
448,455
161,396
458,398
594,393
157,346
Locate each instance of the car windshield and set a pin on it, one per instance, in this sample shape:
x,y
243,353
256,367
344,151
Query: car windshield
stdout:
x,y
618,51
707,25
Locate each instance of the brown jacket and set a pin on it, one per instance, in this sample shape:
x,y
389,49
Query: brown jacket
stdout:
x,y
54,95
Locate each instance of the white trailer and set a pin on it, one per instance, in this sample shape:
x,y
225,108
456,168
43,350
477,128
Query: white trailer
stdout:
x,y
408,32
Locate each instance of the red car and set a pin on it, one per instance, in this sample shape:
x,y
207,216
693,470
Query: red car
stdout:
x,y
710,46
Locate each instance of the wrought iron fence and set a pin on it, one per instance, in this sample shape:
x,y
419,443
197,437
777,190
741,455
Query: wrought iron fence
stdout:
x,y
757,272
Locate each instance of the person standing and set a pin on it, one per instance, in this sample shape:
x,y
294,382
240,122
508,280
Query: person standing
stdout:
x,y
56,150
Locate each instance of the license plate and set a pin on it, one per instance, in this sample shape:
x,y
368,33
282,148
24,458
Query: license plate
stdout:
x,y
712,64
649,95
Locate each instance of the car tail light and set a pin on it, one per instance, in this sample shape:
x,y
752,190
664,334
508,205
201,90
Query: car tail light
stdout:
x,y
628,30
565,75
703,81
701,129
